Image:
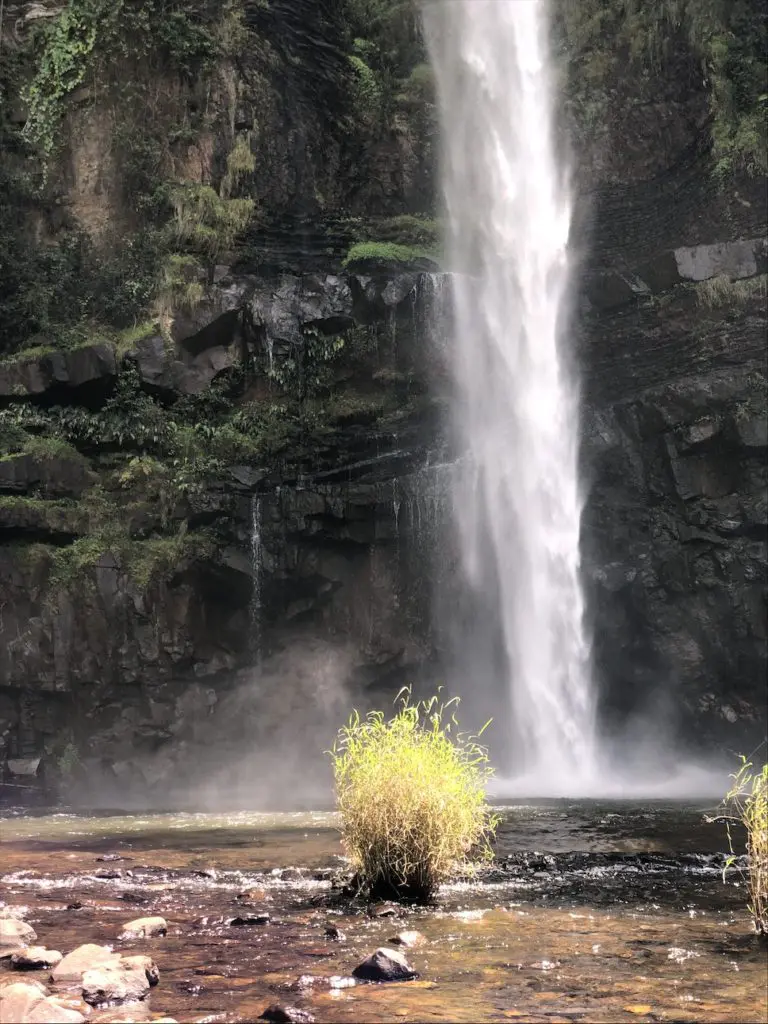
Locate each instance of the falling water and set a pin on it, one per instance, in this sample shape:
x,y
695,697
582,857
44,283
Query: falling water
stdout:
x,y
256,566
516,493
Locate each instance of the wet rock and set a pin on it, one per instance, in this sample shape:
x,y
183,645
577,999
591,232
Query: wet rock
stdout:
x,y
26,1003
212,921
254,919
286,1015
291,875
108,874
82,959
90,369
252,896
36,958
385,910
334,933
125,981
409,939
14,934
108,858
76,905
23,766
145,963
144,928
385,965
15,912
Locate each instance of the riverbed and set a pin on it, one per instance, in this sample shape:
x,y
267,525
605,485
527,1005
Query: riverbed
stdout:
x,y
592,912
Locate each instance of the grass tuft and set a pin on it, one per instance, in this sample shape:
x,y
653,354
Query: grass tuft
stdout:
x,y
411,795
748,801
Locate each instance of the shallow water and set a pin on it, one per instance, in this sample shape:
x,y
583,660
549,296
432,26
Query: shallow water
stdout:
x,y
621,915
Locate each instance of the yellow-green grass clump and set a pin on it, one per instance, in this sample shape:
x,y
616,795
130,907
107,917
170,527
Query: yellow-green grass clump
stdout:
x,y
411,795
748,799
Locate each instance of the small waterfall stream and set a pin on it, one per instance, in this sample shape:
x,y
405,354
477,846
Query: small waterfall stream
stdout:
x,y
516,496
256,567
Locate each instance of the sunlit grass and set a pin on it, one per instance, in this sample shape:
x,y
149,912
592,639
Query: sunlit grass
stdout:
x,y
411,796
748,804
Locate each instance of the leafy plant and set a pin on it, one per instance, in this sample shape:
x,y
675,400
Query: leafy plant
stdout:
x,y
411,795
747,800
385,254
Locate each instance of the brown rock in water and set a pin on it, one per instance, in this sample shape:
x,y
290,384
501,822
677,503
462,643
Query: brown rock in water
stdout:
x,y
408,939
82,959
385,965
26,1003
36,958
334,933
144,928
286,1015
127,981
14,935
251,896
252,919
385,910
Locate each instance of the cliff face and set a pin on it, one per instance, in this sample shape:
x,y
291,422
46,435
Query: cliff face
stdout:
x,y
214,521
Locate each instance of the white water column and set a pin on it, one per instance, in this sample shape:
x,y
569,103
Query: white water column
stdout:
x,y
517,498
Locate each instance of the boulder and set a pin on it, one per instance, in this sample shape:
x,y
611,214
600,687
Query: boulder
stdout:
x,y
23,765
385,965
14,935
59,476
127,980
26,1003
36,958
144,928
90,368
409,939
83,959
286,1015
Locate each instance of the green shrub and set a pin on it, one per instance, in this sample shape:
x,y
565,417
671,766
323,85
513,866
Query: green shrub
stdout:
x,y
386,254
748,803
411,795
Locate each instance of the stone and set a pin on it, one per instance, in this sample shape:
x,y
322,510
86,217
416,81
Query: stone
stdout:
x,y
141,961
56,476
26,1003
334,933
385,965
125,981
24,766
144,928
384,910
409,939
253,919
82,959
252,896
15,934
88,369
286,1015
36,958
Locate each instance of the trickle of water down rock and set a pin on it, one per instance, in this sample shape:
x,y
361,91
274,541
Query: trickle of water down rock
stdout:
x,y
517,499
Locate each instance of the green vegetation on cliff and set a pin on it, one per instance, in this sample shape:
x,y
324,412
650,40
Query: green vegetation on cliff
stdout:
x,y
603,40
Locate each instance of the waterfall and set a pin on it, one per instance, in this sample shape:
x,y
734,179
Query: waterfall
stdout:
x,y
516,495
256,565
